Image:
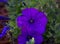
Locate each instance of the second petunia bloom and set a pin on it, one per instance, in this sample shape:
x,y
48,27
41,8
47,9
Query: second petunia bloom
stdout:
x,y
32,24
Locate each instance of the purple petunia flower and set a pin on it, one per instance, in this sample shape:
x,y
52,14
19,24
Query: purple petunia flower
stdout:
x,y
32,24
4,18
4,31
4,1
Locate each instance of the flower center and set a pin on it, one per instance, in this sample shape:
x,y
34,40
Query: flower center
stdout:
x,y
31,21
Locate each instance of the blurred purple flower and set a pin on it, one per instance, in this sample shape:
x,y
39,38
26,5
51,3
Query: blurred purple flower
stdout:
x,y
4,1
4,18
32,24
5,29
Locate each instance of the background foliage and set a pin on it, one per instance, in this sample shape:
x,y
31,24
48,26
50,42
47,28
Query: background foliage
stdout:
x,y
52,35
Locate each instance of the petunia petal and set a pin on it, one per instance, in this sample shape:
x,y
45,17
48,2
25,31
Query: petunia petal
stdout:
x,y
29,12
38,39
41,22
21,21
21,39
